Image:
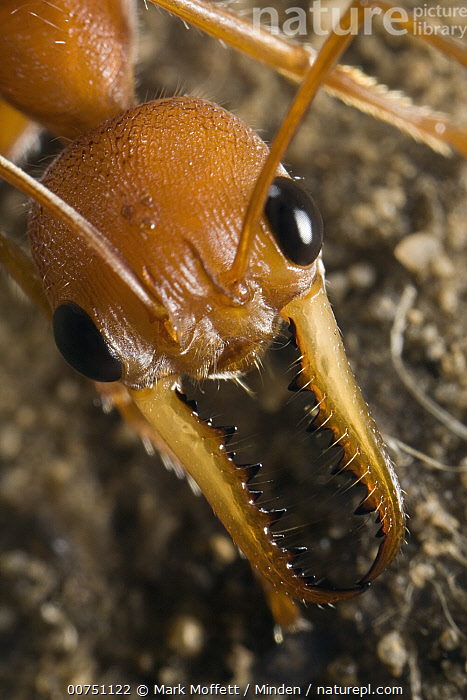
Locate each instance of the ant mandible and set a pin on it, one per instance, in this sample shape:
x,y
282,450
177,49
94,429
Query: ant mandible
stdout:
x,y
156,260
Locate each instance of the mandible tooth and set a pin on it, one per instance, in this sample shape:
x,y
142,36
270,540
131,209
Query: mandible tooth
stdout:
x,y
364,508
297,550
249,470
255,495
277,536
294,386
297,553
293,333
191,403
229,431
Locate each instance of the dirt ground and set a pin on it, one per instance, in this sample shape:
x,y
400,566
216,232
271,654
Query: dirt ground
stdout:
x,y
111,570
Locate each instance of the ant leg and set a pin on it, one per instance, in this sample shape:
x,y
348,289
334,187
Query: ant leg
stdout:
x,y
434,129
348,84
21,268
18,133
279,53
16,137
405,20
285,611
80,226
242,34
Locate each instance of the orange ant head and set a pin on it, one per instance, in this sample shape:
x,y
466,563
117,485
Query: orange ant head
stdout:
x,y
167,184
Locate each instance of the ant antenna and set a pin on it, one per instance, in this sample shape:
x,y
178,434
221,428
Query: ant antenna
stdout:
x,y
325,60
81,227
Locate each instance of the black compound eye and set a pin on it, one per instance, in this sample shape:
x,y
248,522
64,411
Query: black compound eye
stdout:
x,y
83,347
295,221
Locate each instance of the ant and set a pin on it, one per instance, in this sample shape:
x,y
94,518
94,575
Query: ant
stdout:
x,y
148,334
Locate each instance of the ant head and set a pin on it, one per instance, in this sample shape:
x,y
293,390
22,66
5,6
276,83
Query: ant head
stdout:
x,y
167,184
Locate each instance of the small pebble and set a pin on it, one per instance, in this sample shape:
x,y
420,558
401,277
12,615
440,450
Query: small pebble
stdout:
x,y
421,573
223,549
449,639
393,653
186,636
10,442
417,252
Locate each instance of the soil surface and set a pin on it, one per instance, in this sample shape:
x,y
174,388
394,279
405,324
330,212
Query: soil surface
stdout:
x,y
111,570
